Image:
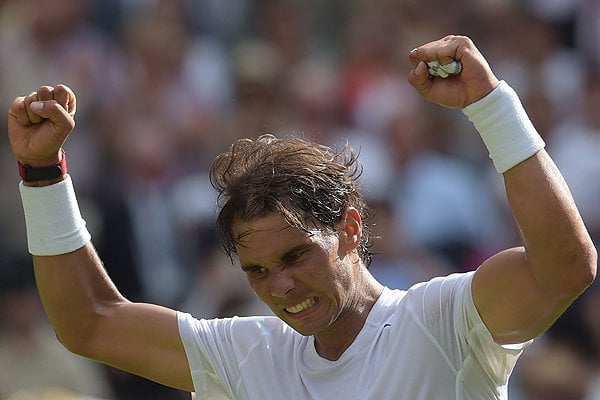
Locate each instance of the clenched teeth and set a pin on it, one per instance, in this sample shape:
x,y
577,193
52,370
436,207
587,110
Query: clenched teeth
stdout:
x,y
308,303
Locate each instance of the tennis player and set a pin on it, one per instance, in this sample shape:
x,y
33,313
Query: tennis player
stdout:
x,y
291,212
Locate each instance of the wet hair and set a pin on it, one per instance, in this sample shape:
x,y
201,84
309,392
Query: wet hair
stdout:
x,y
308,184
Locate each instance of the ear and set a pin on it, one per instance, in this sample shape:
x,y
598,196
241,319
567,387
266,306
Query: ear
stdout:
x,y
351,233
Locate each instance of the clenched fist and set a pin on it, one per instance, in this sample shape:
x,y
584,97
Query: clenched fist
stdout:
x,y
474,82
38,124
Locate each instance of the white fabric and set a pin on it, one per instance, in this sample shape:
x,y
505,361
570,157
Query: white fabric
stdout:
x,y
427,343
505,128
53,220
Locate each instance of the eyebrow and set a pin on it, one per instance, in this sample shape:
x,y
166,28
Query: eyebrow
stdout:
x,y
286,256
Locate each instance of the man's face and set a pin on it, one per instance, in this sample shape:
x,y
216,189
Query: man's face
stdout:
x,y
305,278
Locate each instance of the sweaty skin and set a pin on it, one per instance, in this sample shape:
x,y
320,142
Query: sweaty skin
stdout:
x,y
320,272
518,292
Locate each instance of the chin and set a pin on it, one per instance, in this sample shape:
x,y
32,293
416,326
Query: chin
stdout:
x,y
304,329
305,332
300,328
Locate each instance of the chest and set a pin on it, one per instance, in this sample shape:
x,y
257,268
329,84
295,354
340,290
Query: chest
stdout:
x,y
388,365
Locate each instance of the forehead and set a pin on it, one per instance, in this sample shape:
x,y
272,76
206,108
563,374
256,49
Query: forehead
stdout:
x,y
270,236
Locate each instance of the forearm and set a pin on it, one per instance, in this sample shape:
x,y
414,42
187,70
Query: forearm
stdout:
x,y
518,293
560,254
76,292
92,319
89,315
75,289
559,250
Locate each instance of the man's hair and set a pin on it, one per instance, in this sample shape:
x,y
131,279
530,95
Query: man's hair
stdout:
x,y
308,184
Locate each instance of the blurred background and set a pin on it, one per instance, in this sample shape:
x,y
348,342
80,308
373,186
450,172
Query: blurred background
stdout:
x,y
164,86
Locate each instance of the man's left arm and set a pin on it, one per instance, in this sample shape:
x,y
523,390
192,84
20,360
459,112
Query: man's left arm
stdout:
x,y
519,292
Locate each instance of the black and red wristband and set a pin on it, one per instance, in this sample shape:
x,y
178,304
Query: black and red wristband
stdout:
x,y
44,173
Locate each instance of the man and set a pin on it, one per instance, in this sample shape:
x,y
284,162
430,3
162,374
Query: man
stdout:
x,y
293,215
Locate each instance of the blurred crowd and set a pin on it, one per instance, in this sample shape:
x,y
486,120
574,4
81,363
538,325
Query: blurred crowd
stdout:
x,y
163,86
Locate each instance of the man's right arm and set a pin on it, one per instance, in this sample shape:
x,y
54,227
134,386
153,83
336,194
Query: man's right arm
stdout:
x,y
91,318
89,315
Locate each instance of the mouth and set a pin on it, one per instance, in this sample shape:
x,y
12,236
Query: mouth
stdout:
x,y
303,306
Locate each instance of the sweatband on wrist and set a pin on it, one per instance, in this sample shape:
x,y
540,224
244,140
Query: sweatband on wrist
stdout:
x,y
53,220
505,128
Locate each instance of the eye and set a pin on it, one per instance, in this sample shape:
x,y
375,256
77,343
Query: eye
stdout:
x,y
257,271
295,257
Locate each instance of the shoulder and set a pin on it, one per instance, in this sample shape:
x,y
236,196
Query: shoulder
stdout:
x,y
442,285
440,297
260,323
437,293
236,329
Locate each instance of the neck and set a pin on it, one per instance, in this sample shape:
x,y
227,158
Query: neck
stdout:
x,y
332,343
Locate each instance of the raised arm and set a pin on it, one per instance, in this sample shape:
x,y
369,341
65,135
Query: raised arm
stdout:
x,y
519,292
89,315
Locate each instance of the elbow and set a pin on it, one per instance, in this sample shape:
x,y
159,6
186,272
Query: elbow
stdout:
x,y
76,339
592,265
584,268
568,275
81,337
69,343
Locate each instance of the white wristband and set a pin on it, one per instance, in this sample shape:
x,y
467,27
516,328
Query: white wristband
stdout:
x,y
505,128
54,223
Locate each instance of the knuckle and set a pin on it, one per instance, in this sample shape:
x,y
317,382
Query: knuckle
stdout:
x,y
465,40
62,88
52,105
31,97
19,105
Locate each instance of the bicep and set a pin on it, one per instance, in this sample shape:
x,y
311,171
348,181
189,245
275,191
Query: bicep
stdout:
x,y
142,339
512,303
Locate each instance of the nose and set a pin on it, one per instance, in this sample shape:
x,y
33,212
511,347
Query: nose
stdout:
x,y
281,284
